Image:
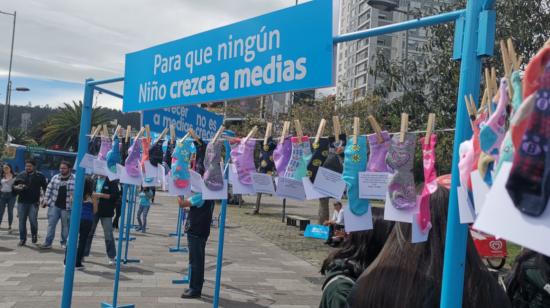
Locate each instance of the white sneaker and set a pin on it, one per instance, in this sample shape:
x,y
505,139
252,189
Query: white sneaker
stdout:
x,y
111,261
63,246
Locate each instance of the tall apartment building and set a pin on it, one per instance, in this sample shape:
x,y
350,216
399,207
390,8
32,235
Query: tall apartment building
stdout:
x,y
357,58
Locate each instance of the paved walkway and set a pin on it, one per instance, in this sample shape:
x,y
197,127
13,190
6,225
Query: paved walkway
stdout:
x,y
257,272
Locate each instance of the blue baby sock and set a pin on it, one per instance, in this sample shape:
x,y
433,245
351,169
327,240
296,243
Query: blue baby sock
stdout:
x,y
355,161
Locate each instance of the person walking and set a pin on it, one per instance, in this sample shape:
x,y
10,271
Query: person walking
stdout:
x,y
58,198
7,194
29,185
198,230
144,205
107,192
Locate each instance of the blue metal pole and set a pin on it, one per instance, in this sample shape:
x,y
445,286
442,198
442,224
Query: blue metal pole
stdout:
x,y
178,248
85,125
128,238
177,225
110,80
119,250
109,92
456,235
221,236
402,26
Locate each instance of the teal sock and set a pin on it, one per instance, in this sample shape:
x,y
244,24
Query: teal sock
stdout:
x,y
355,161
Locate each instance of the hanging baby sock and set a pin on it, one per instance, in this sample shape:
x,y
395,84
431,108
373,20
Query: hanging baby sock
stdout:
x,y
243,158
485,167
430,183
281,155
267,164
378,152
106,146
466,151
155,153
297,166
492,132
94,146
200,146
124,145
525,184
213,177
401,159
180,162
355,161
145,144
320,154
133,161
167,158
113,156
335,160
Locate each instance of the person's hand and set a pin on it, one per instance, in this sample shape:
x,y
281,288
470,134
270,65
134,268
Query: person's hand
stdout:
x,y
44,204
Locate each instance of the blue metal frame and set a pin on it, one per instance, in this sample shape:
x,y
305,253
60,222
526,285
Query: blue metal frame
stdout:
x,y
128,226
178,247
475,25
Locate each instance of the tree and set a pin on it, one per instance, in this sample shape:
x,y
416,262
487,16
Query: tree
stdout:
x,y
63,127
21,137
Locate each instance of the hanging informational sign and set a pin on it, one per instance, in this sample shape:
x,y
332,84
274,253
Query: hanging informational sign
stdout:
x,y
287,50
203,122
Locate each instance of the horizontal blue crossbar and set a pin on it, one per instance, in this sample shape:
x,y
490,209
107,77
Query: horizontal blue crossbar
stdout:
x,y
111,80
106,91
402,26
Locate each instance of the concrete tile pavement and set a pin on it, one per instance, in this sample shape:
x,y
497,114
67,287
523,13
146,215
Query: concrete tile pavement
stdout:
x,y
256,272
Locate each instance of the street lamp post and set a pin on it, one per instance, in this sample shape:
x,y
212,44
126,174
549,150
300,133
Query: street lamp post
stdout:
x,y
8,87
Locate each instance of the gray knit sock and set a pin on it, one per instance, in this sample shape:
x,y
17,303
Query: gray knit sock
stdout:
x,y
213,176
400,158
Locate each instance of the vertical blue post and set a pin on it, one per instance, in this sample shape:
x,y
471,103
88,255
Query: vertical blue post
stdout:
x,y
455,242
119,250
221,236
179,232
177,226
131,205
85,125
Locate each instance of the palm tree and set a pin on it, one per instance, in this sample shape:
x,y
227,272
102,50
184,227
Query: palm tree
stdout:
x,y
21,137
63,128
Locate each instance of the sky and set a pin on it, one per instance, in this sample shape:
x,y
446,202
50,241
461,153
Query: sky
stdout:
x,y
60,43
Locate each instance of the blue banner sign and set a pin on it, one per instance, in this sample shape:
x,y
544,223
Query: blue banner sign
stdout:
x,y
287,50
317,231
203,122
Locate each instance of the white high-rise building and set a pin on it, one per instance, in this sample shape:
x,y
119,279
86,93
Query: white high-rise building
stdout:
x,y
356,59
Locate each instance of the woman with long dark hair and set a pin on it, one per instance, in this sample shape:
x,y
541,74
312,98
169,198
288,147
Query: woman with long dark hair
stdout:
x,y
410,275
343,266
7,195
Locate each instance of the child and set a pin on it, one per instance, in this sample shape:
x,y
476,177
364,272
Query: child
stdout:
x,y
89,208
144,204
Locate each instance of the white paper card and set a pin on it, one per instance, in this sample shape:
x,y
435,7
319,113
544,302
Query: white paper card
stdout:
x,y
373,185
176,191
354,223
400,215
329,183
238,187
263,183
150,170
417,236
100,168
125,178
208,194
291,188
196,181
87,161
480,190
311,192
465,207
500,217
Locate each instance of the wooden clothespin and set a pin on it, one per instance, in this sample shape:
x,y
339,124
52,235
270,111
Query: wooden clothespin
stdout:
x,y
95,132
128,132
471,115
286,127
92,130
508,65
139,134
172,133
268,132
355,129
164,132
105,132
298,128
218,134
488,82
494,84
251,133
320,131
194,135
336,126
430,128
516,61
185,137
376,128
404,126
148,131
117,131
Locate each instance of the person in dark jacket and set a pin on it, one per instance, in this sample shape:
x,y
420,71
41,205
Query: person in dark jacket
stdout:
x,y
198,230
529,284
29,185
107,192
342,267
